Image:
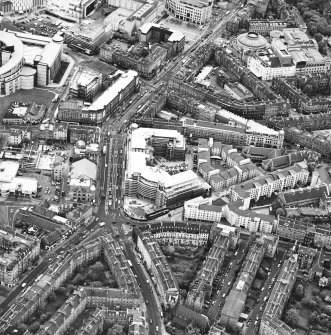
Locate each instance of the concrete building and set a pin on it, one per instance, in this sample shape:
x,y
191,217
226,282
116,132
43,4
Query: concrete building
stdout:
x,y
122,85
270,64
154,183
271,318
10,184
267,184
156,262
85,83
20,251
12,56
200,288
136,59
169,38
194,11
306,57
143,12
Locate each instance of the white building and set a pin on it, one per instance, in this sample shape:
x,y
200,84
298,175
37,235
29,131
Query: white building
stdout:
x,y
267,184
12,61
10,184
154,183
266,65
201,209
195,11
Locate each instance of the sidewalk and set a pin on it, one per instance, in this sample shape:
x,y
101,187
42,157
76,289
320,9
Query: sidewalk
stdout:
x,y
163,330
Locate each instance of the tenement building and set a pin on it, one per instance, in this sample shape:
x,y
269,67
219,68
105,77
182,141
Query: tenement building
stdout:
x,y
157,263
271,322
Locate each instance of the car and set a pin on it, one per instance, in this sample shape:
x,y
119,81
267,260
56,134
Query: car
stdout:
x,y
150,321
157,328
146,302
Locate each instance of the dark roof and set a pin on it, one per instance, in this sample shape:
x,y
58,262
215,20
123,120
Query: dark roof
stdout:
x,y
304,194
186,315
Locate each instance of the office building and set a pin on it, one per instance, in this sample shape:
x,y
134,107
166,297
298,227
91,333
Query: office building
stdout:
x,y
11,184
154,183
194,11
122,85
85,83
169,38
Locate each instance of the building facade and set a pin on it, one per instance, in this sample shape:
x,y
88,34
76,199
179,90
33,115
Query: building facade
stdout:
x,y
198,12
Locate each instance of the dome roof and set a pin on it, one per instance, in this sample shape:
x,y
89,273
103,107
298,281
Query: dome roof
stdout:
x,y
251,41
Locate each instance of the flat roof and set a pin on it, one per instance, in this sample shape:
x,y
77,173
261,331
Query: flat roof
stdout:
x,y
8,170
16,56
50,53
175,36
112,91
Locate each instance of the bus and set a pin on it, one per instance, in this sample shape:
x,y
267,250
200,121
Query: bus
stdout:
x,y
130,264
157,213
56,98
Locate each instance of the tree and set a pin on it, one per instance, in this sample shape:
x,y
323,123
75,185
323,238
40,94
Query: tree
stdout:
x,y
116,329
312,317
22,327
323,47
323,282
280,211
260,274
34,327
308,89
51,297
318,37
292,317
61,291
78,280
193,331
299,292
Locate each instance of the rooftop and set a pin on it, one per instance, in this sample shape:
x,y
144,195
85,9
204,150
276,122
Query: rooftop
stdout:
x,y
124,79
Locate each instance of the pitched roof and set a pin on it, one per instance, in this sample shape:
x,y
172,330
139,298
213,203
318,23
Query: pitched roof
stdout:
x,y
84,167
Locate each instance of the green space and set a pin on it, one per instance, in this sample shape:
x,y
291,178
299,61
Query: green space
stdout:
x,y
185,262
309,307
